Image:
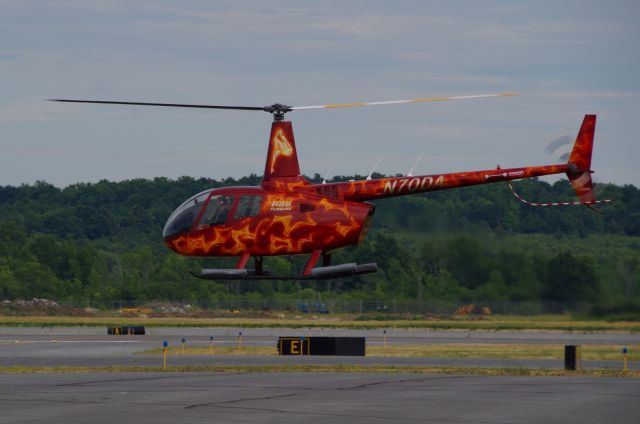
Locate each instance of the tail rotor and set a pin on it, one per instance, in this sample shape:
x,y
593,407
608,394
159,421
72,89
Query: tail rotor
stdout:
x,y
579,171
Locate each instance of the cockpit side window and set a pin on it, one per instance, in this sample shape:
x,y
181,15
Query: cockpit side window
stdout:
x,y
217,211
248,206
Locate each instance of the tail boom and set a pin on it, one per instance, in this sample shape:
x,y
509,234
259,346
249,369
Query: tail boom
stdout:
x,y
577,170
399,186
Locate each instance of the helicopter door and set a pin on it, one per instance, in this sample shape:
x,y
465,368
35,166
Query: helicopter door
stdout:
x,y
248,206
217,211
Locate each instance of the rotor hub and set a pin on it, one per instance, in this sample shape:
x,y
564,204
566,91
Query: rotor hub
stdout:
x,y
278,110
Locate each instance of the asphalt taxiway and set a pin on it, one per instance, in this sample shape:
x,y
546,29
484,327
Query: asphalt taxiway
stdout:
x,y
314,398
285,397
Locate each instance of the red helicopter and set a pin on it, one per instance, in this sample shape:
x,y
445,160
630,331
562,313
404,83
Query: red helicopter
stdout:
x,y
288,215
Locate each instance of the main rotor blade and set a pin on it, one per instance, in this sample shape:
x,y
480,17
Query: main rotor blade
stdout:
x,y
280,109
395,102
108,102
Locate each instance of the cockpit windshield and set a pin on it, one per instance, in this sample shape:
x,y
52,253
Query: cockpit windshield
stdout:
x,y
183,218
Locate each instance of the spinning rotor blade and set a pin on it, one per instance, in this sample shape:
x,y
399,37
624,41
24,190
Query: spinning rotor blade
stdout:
x,y
278,110
395,102
107,102
560,148
555,144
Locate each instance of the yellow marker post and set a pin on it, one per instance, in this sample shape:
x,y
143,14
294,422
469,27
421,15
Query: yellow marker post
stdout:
x,y
210,345
165,348
239,340
183,343
625,351
385,338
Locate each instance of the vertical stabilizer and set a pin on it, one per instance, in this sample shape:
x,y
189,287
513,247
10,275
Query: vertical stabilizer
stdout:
x,y
282,157
581,154
579,172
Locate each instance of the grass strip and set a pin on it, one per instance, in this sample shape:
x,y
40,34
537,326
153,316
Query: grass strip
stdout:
x,y
553,323
216,351
341,368
589,352
478,351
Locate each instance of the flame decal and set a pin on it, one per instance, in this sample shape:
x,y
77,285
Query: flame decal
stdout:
x,y
282,160
281,147
329,224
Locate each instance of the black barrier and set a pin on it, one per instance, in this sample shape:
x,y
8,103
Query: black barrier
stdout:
x,y
572,357
126,330
339,346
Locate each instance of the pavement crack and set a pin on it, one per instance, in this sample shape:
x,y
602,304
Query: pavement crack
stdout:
x,y
113,380
72,401
222,403
406,380
319,414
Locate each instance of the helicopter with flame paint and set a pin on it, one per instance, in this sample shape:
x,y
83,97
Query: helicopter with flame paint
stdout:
x,y
289,215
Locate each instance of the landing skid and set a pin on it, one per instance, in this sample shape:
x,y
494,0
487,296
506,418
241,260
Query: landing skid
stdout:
x,y
319,273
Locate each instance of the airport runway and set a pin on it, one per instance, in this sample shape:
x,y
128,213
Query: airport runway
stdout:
x,y
92,347
314,398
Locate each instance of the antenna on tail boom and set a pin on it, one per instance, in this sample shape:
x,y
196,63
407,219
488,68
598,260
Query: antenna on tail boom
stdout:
x,y
410,173
374,168
326,175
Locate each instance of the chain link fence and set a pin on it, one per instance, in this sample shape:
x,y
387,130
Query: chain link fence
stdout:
x,y
351,306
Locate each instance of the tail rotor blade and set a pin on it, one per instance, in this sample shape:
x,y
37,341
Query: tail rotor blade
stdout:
x,y
557,143
560,148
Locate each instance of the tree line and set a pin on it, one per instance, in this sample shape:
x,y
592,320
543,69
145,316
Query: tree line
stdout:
x,y
102,241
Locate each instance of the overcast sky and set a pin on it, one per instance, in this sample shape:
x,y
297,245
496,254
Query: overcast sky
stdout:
x,y
564,58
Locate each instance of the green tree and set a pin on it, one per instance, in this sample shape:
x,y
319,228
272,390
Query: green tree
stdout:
x,y
9,285
571,279
468,261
